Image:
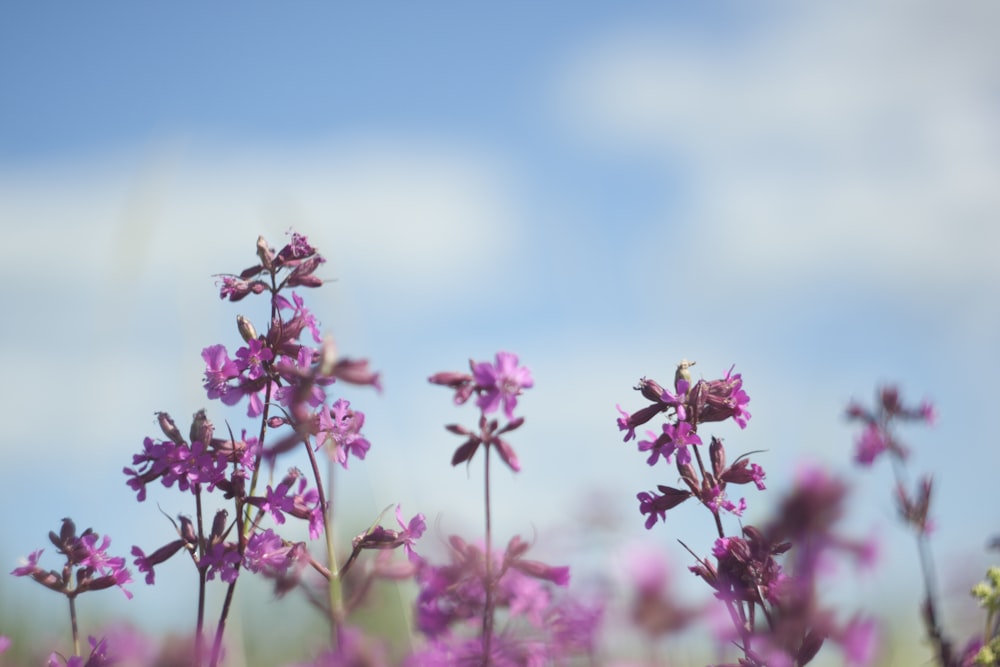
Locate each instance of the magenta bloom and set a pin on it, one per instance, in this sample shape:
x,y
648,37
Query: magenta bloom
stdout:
x,y
28,568
220,369
222,559
675,438
251,359
340,428
870,444
410,533
501,382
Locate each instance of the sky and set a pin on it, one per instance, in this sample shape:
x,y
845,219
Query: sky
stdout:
x,y
807,191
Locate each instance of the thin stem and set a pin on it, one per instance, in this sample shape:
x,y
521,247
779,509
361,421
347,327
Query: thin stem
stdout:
x,y
267,395
231,589
715,513
745,626
200,621
488,610
217,642
73,625
335,591
941,644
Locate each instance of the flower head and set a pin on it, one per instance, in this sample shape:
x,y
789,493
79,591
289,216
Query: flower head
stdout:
x,y
501,382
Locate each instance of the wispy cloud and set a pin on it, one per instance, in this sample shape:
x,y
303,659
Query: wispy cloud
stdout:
x,y
852,141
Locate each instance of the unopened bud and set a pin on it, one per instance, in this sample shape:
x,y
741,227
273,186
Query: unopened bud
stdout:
x,y
265,254
201,428
247,330
169,428
187,531
650,389
717,453
219,526
682,372
328,356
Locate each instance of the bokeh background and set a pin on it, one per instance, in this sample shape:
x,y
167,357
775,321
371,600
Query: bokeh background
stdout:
x,y
806,190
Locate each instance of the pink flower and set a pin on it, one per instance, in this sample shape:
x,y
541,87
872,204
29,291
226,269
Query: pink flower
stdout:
x,y
501,382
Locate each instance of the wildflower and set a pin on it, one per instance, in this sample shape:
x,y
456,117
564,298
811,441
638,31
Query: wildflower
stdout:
x,y
501,382
488,436
340,429
300,314
656,506
220,369
463,383
870,445
675,438
627,422
251,359
222,558
87,555
385,538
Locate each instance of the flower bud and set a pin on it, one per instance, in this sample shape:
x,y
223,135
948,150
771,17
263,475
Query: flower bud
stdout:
x,y
264,253
219,526
682,373
247,330
650,389
201,428
169,428
187,531
717,453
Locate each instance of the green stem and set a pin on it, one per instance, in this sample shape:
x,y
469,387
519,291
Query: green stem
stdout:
x,y
73,625
488,610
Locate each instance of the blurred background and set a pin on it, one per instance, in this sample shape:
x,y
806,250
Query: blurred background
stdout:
x,y
808,191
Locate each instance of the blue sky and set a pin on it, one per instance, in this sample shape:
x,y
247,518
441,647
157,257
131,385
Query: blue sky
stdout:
x,y
808,192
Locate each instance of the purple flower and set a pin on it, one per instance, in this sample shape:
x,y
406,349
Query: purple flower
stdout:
x,y
87,554
627,422
656,506
859,641
717,501
222,559
462,383
870,444
502,381
220,370
147,563
96,556
251,359
353,650
267,553
302,503
675,438
304,317
676,401
300,376
340,428
28,568
411,531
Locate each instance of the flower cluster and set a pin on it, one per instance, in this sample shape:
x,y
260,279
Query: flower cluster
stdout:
x,y
689,405
284,382
539,627
877,437
480,584
88,566
495,384
482,606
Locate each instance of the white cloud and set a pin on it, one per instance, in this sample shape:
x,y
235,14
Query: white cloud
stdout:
x,y
390,209
853,140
